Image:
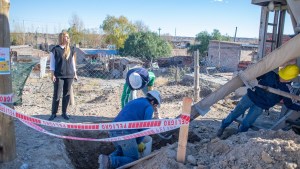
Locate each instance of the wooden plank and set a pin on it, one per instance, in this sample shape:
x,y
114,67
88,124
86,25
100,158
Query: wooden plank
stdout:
x,y
279,92
281,123
7,127
184,131
266,2
196,76
140,160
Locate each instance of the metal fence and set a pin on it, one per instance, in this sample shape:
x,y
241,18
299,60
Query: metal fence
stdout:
x,y
99,87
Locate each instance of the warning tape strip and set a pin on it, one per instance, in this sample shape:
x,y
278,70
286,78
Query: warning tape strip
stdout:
x,y
183,120
8,98
111,139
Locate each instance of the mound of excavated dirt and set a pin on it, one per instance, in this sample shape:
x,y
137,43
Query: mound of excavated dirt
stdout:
x,y
253,149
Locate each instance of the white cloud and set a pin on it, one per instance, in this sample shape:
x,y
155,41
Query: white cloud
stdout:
x,y
218,0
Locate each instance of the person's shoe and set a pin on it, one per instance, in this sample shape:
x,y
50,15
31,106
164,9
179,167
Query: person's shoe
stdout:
x,y
220,132
52,117
103,161
65,116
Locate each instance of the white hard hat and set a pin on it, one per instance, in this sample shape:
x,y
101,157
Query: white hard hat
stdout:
x,y
156,95
135,80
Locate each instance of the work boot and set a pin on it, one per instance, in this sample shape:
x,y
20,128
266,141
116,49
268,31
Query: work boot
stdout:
x,y
52,117
220,132
65,116
103,161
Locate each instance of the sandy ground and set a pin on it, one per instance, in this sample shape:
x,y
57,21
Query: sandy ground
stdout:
x,y
99,100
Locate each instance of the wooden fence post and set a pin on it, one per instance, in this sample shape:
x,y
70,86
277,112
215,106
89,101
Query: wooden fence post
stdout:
x,y
72,100
196,76
176,75
184,131
7,127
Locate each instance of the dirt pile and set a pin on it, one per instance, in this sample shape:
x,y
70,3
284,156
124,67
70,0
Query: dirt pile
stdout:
x,y
253,149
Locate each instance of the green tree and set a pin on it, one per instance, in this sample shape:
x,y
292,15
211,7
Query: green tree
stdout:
x,y
216,35
146,46
117,30
202,41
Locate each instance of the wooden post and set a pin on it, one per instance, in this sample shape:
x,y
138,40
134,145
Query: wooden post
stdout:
x,y
196,76
176,75
184,131
7,127
264,17
72,100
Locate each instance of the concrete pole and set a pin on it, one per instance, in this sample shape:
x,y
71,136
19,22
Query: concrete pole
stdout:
x,y
7,127
196,77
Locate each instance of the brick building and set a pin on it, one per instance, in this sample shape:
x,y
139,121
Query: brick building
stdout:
x,y
227,55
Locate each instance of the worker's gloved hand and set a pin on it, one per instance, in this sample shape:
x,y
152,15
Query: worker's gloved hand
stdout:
x,y
141,147
156,114
248,83
253,83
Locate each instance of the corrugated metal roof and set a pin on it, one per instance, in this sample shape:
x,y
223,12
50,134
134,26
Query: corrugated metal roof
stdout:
x,y
100,51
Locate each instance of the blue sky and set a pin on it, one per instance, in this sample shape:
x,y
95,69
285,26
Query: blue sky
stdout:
x,y
188,17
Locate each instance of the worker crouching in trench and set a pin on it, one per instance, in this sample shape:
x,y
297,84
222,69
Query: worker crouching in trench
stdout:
x,y
127,151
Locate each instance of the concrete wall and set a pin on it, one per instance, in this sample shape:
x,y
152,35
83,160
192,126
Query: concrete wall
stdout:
x,y
179,52
224,55
179,61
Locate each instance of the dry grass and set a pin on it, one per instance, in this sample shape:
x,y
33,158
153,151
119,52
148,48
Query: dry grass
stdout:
x,y
161,81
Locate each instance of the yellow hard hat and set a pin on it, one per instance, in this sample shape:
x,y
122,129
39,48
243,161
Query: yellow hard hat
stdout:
x,y
289,72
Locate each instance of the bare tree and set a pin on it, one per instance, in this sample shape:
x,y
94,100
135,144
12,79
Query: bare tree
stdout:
x,y
76,22
141,26
76,29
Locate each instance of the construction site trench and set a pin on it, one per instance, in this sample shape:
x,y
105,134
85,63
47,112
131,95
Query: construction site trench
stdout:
x,y
84,154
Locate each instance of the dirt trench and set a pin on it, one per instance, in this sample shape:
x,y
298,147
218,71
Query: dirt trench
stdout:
x,y
84,154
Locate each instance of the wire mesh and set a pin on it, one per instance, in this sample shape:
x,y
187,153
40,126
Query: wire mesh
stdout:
x,y
100,83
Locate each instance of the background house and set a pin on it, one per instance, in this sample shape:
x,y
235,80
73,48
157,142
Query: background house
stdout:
x,y
226,56
90,55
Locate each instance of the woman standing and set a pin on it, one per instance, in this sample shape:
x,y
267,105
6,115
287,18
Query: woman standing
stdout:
x,y
63,71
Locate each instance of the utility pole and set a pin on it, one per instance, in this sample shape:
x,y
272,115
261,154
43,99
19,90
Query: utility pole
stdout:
x,y
7,127
196,76
24,31
235,34
175,32
159,31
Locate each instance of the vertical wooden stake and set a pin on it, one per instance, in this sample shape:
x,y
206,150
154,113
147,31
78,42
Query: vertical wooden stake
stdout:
x,y
72,100
176,75
184,131
196,76
7,127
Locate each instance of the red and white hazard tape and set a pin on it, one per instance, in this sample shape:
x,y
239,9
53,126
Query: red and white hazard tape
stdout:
x,y
184,119
8,98
111,139
154,126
